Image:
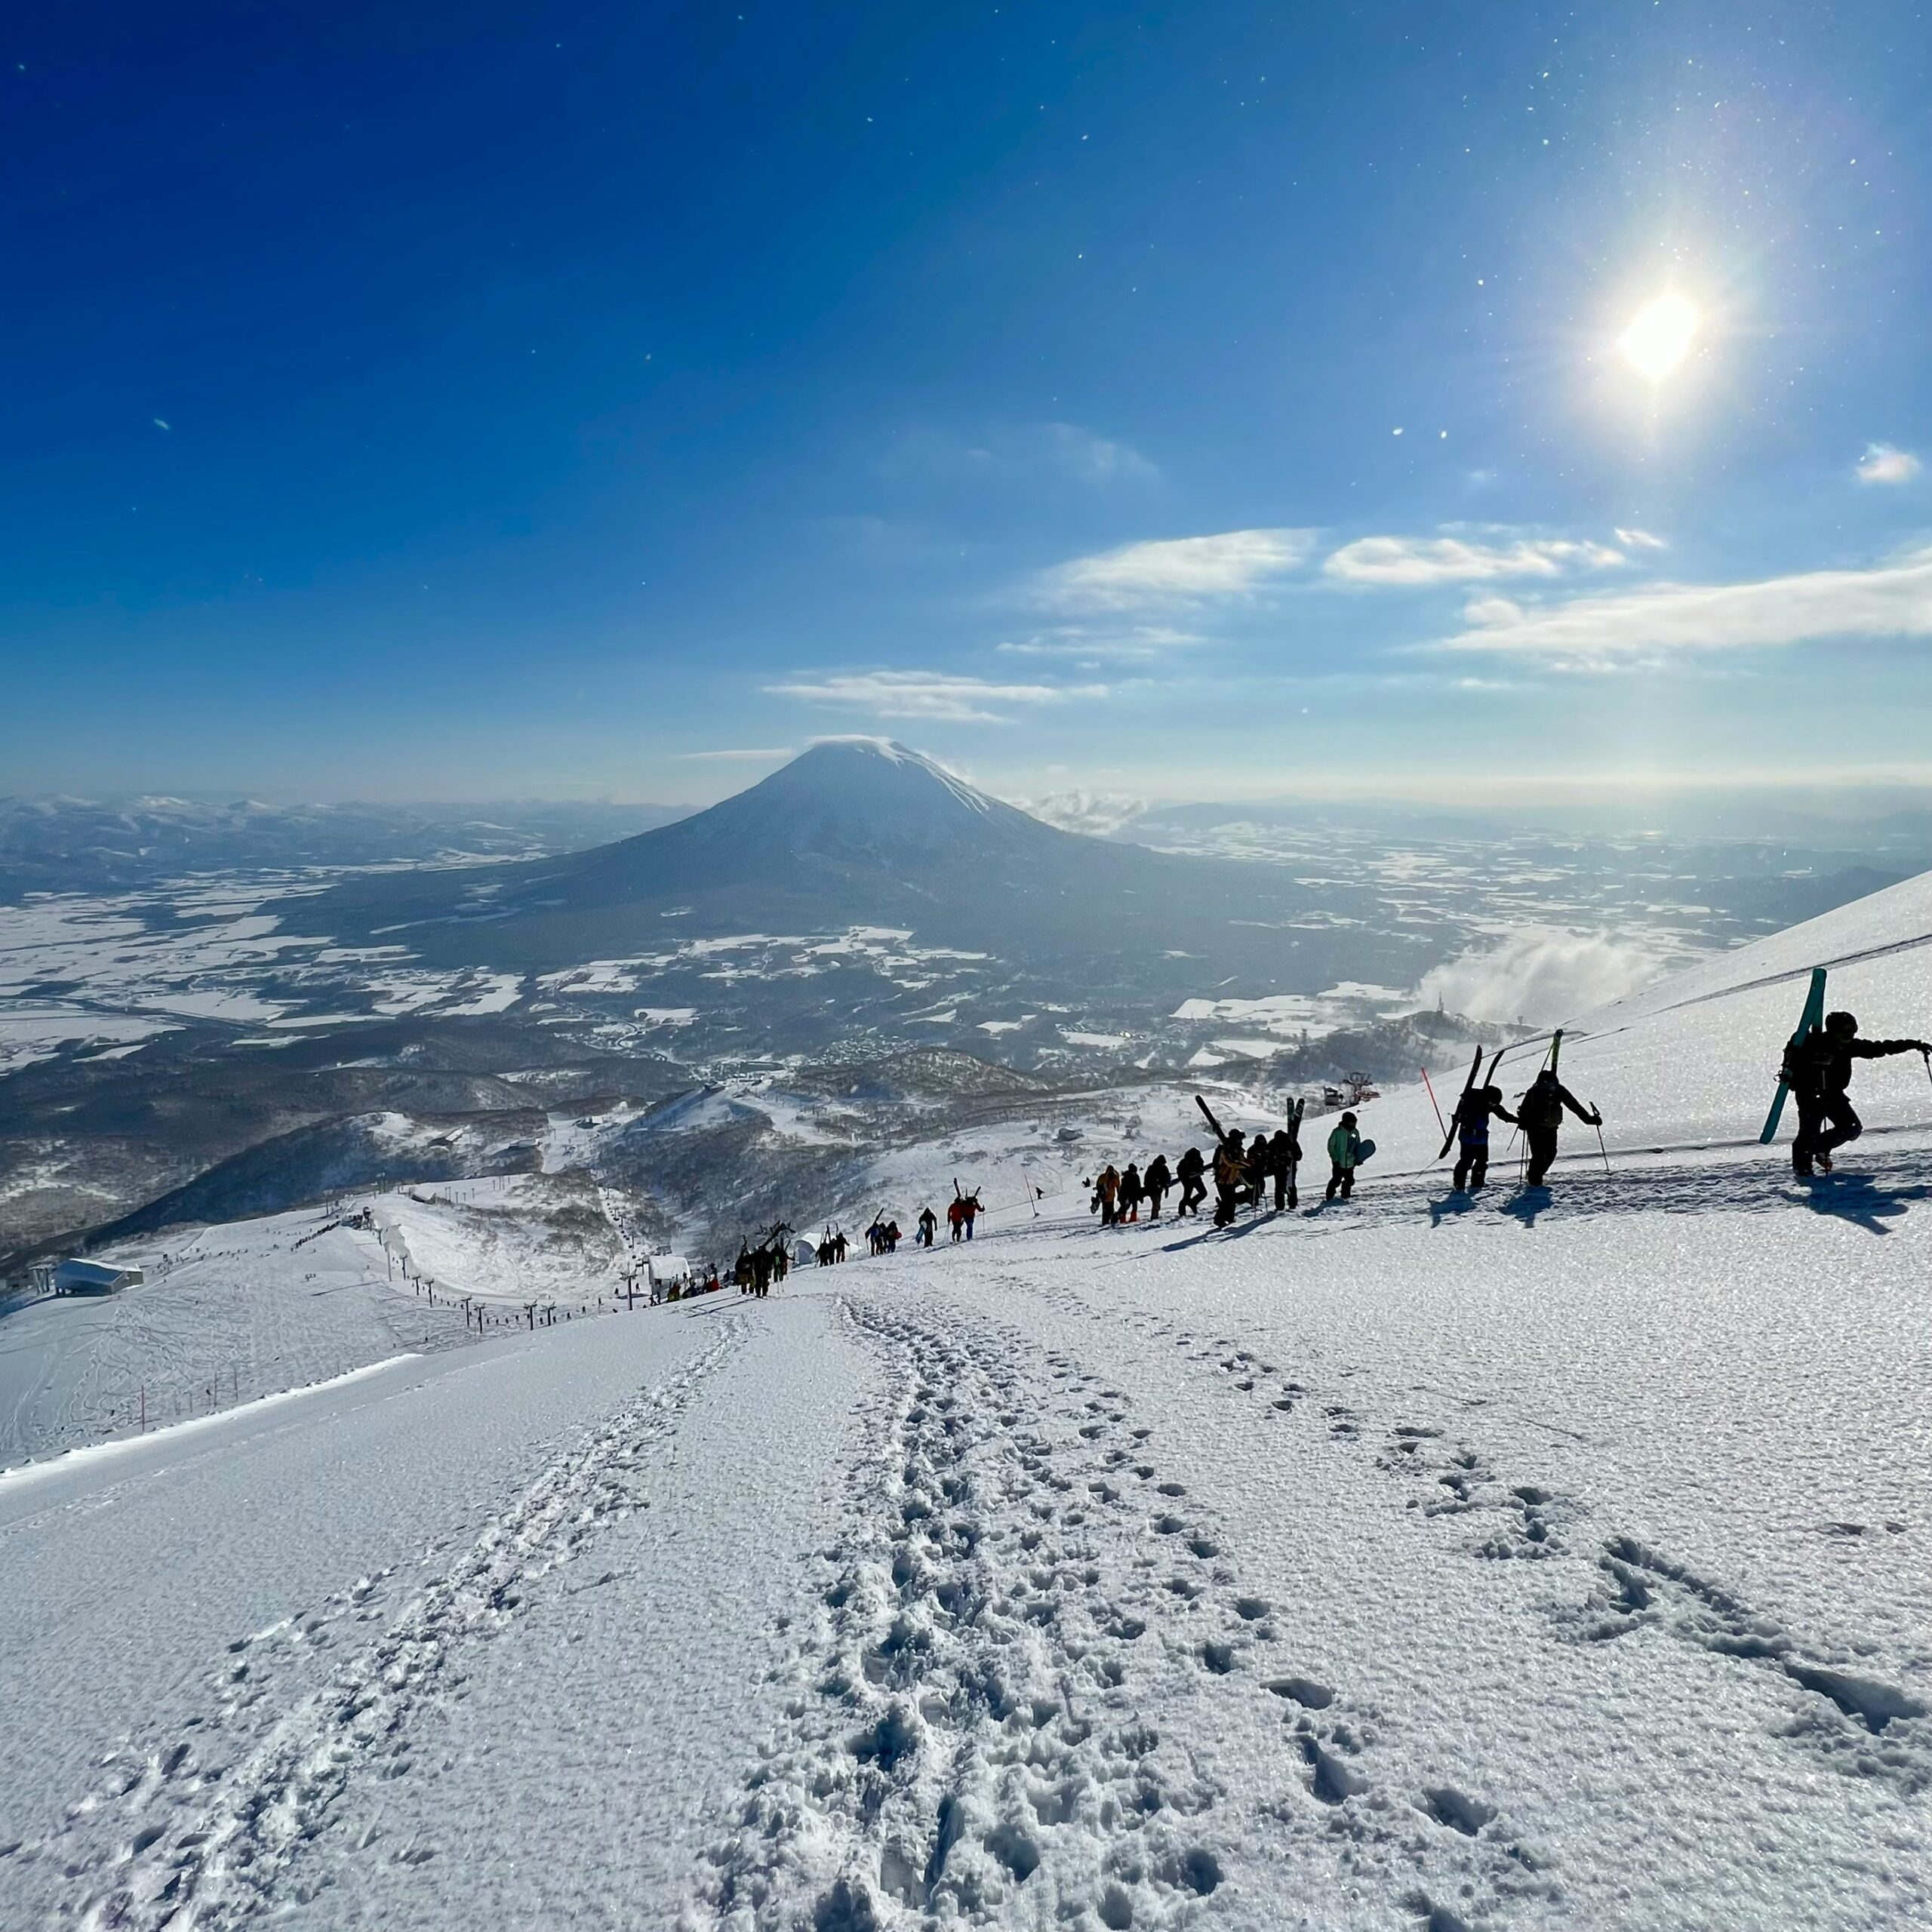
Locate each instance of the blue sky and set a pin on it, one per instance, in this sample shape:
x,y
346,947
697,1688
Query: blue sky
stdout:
x,y
1186,400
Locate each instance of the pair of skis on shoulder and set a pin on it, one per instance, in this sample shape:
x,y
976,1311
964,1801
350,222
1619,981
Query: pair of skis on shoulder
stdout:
x,y
1479,1078
1296,1108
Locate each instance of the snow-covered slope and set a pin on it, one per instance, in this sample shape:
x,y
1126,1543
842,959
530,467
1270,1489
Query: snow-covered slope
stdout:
x,y
1517,1564
1693,1058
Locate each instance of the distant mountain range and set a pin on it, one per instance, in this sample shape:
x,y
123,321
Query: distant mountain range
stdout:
x,y
67,844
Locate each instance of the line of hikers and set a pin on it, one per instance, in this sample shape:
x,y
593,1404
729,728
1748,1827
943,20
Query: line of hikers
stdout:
x,y
1539,1115
757,1268
1242,1172
1245,1171
884,1235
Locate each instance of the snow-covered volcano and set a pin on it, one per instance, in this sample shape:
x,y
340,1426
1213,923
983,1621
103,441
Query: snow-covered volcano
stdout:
x,y
866,804
854,832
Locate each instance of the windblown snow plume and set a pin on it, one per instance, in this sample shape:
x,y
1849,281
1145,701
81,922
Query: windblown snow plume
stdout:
x,y
1543,974
1100,813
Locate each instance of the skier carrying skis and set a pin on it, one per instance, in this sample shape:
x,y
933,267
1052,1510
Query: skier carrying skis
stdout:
x,y
1478,1107
1259,1166
1344,1145
1817,1069
1284,1152
1230,1176
1539,1113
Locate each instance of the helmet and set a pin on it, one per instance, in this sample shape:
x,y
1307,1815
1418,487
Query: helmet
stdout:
x,y
1842,1023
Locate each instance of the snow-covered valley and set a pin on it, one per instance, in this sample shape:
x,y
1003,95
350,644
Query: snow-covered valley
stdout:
x,y
1528,1559
195,1040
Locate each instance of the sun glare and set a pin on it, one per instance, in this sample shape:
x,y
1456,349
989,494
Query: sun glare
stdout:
x,y
1659,335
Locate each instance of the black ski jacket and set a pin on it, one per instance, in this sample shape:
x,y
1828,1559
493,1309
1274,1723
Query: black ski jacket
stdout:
x,y
1819,1064
1474,1112
1540,1110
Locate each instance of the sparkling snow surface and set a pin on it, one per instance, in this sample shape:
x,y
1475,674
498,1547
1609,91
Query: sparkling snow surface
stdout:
x,y
1556,1561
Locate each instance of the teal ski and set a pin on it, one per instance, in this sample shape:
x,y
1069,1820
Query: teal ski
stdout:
x,y
1813,1017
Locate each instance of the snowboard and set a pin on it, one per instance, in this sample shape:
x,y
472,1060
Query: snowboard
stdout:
x,y
1813,1016
1363,1150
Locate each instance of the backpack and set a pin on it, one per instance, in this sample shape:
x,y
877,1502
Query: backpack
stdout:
x,y
1542,1107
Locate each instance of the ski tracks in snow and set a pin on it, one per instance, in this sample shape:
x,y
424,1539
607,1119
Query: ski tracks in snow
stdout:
x,y
206,1829
1865,1725
1028,1657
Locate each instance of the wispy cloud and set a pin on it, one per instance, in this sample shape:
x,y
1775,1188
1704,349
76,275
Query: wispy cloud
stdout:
x,y
1094,459
743,754
1412,560
1891,600
926,694
1012,452
1884,463
1180,570
1134,643
1639,540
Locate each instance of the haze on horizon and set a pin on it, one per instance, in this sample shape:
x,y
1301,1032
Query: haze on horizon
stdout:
x,y
1178,402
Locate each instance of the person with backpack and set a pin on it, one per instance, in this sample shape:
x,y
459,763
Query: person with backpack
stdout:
x,y
1284,1156
1817,1069
1106,1191
1230,1176
1155,1184
1131,1185
1344,1149
1260,1165
1539,1113
1190,1173
1478,1107
928,1225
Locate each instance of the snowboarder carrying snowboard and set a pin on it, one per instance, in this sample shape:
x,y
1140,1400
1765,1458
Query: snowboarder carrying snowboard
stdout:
x,y
1478,1107
1539,1113
1344,1149
928,1226
1817,1068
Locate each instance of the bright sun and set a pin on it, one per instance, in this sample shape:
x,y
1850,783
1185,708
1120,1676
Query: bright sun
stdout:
x,y
1659,335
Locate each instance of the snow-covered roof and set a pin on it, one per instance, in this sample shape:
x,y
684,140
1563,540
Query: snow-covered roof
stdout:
x,y
97,1275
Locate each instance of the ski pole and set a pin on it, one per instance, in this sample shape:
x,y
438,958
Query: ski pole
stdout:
x,y
1601,1149
1429,1087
